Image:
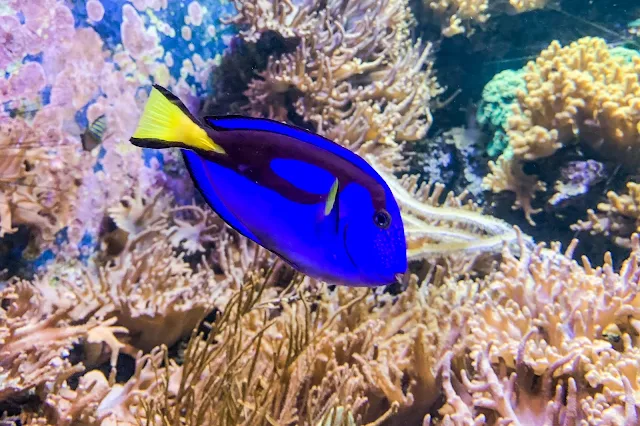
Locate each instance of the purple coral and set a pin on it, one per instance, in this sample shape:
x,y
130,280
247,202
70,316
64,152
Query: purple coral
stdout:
x,y
575,179
12,41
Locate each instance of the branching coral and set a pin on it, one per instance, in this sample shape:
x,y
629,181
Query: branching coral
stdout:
x,y
541,341
507,175
548,341
297,367
583,92
36,338
97,400
148,287
295,352
616,219
355,74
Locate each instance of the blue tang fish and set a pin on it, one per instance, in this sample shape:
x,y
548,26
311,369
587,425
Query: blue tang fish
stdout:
x,y
317,205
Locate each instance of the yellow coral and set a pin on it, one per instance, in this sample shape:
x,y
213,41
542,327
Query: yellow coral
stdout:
x,y
576,93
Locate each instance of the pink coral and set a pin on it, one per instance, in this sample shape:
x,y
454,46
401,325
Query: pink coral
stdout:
x,y
136,39
95,10
28,81
195,13
12,41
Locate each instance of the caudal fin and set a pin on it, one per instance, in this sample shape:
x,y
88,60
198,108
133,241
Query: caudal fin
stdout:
x,y
166,123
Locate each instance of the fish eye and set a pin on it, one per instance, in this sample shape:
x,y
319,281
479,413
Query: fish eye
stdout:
x,y
382,219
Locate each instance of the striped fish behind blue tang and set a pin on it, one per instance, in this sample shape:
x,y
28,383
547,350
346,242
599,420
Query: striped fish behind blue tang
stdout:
x,y
320,207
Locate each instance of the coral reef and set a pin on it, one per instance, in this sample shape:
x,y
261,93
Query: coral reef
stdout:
x,y
540,327
169,317
49,183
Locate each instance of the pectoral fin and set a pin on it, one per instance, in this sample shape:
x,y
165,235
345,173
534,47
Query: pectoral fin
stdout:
x,y
332,205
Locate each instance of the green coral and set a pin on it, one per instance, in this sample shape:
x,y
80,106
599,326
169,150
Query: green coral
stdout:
x,y
499,95
624,53
494,110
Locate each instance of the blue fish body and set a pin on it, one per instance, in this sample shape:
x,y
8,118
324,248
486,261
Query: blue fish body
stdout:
x,y
319,206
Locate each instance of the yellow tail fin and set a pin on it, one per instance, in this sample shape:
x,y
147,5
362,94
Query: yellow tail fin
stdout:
x,y
166,123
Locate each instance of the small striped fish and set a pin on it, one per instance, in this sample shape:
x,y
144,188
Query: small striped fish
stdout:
x,y
94,134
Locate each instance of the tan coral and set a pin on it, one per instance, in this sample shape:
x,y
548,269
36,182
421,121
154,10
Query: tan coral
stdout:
x,y
461,16
36,338
100,401
546,319
506,348
356,76
293,358
507,175
526,5
456,15
151,291
617,219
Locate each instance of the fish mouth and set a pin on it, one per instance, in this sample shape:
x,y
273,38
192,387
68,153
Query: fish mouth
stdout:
x,y
346,247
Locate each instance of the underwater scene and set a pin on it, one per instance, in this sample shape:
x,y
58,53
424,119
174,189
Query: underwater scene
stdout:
x,y
319,212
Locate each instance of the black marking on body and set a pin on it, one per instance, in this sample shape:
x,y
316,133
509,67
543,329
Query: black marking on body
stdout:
x,y
250,152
